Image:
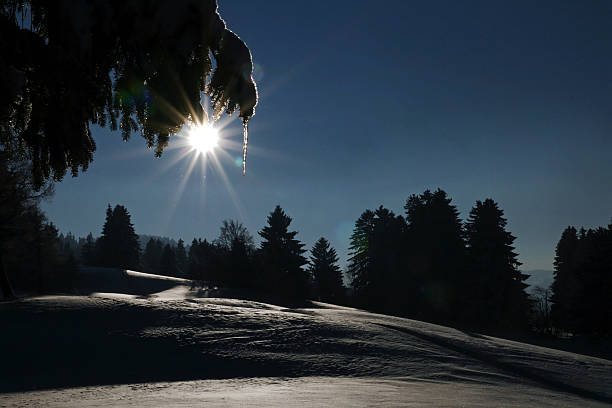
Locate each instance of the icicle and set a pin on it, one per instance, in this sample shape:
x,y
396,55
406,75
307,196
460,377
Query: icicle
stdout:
x,y
245,141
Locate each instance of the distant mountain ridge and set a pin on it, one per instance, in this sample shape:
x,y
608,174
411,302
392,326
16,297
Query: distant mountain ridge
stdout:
x,y
538,277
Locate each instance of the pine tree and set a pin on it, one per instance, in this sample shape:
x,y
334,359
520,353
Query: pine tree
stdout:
x,y
181,258
20,215
200,260
592,306
583,281
496,286
281,258
194,269
88,251
377,263
152,256
167,262
119,247
359,261
565,287
68,245
326,272
106,229
238,266
436,256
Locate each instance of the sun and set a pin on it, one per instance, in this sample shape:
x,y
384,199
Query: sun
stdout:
x,y
203,138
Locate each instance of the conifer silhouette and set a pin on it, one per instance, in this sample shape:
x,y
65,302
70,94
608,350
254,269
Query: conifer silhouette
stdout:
x,y
118,244
565,289
376,266
496,286
167,262
436,256
21,220
326,272
151,256
581,301
88,251
181,258
281,257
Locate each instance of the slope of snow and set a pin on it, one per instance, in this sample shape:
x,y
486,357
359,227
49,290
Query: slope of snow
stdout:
x,y
175,347
299,392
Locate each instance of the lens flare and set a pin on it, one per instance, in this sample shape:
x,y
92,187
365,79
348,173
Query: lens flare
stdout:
x,y
203,138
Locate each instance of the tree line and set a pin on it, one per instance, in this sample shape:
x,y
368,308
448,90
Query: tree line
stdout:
x,y
426,264
31,255
429,265
581,293
278,266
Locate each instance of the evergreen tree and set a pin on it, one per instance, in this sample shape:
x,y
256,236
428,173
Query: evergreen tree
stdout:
x,y
496,286
359,261
119,245
565,287
436,256
152,256
200,260
181,258
139,66
377,263
593,308
20,218
194,263
583,282
88,251
326,272
102,241
281,258
167,262
68,244
238,267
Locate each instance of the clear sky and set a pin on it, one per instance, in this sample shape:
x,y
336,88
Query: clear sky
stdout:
x,y
363,103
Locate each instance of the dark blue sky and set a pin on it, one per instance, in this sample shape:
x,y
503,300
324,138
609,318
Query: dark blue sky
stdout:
x,y
365,103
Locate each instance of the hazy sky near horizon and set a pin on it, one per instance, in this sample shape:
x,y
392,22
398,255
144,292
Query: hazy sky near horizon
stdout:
x,y
363,105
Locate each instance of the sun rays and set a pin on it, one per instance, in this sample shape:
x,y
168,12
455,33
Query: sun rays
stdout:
x,y
208,144
203,138
199,148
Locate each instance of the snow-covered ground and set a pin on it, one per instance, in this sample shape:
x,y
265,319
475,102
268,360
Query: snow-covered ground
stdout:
x,y
154,341
300,392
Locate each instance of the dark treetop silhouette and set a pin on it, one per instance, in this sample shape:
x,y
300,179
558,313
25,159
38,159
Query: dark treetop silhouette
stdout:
x,y
325,271
431,266
581,301
498,296
118,244
281,257
137,65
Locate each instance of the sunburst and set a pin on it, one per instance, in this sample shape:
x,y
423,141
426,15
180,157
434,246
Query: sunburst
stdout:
x,y
203,137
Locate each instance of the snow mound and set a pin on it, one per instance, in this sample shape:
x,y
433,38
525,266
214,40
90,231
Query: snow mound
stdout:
x,y
146,340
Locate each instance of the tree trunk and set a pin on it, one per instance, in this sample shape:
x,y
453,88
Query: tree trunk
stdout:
x,y
5,285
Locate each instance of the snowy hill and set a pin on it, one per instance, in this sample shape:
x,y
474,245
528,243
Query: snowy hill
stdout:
x,y
147,340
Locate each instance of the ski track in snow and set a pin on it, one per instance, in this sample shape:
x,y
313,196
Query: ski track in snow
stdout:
x,y
173,348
